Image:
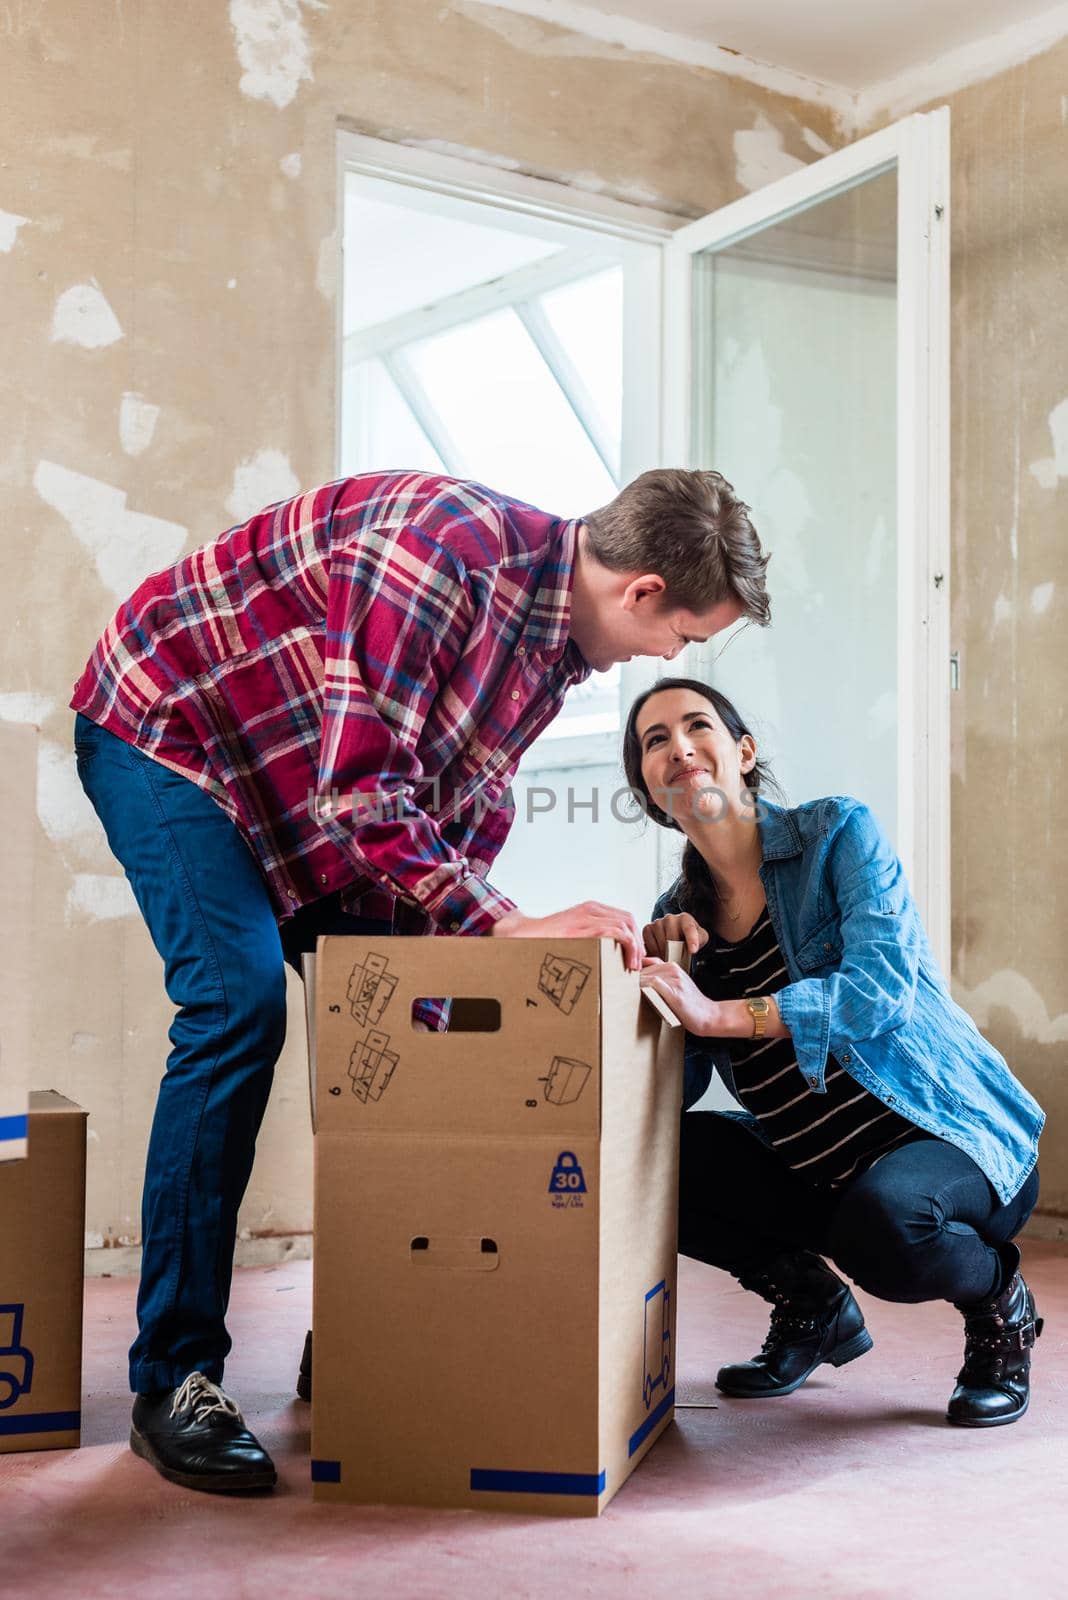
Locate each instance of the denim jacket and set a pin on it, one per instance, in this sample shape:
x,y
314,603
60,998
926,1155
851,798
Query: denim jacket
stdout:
x,y
865,988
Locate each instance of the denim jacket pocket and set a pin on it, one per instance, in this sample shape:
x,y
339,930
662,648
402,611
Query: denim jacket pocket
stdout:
x,y
822,948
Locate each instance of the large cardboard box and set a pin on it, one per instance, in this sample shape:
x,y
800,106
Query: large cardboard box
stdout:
x,y
495,1225
42,1242
18,793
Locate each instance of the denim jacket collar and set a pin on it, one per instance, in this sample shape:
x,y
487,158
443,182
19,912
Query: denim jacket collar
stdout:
x,y
780,836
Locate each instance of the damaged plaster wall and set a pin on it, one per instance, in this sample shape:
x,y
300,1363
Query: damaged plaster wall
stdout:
x,y
167,262
1009,242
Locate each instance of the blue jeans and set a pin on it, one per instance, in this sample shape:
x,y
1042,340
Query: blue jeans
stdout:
x,y
210,917
922,1223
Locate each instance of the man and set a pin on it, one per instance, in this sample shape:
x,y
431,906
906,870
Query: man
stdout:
x,y
309,726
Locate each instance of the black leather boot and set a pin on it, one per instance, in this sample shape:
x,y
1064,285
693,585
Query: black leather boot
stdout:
x,y
304,1375
196,1436
815,1319
994,1384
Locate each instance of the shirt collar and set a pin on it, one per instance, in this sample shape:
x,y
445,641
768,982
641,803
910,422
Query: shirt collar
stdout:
x,y
549,622
780,837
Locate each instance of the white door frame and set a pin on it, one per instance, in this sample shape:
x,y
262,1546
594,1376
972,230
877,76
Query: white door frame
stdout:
x,y
919,148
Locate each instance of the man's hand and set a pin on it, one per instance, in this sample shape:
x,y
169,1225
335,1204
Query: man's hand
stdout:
x,y
659,934
695,1010
421,1027
590,920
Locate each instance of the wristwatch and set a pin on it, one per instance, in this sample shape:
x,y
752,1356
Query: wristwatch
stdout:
x,y
759,1010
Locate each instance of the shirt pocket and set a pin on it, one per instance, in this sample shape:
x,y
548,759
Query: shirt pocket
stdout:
x,y
822,949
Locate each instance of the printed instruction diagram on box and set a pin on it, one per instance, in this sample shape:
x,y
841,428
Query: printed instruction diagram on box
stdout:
x,y
562,981
657,1342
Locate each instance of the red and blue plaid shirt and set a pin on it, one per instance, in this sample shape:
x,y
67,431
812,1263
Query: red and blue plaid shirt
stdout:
x,y
353,676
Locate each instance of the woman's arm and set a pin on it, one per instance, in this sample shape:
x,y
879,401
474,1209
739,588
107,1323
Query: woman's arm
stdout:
x,y
705,1018
874,986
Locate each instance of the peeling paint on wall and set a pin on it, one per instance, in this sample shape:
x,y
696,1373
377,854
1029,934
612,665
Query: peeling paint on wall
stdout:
x,y
290,165
1002,610
272,47
63,809
25,707
1041,596
760,155
1050,469
10,223
86,147
259,481
98,897
1012,992
137,423
125,545
82,316
815,142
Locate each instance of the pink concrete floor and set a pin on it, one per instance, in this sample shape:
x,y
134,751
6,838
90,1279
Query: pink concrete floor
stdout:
x,y
851,1489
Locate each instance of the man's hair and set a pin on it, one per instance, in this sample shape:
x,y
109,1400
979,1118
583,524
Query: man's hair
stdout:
x,y
692,530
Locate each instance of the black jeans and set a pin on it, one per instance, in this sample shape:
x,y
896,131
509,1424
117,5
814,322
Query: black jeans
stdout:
x,y
923,1223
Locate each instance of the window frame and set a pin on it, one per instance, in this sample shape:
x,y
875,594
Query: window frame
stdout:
x,y
457,186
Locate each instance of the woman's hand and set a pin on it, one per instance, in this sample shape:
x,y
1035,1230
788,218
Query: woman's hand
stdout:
x,y
694,1010
657,935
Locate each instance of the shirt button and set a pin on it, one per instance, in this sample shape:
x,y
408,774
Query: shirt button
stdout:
x,y
454,926
890,1100
291,894
846,1059
520,649
322,877
515,694
827,947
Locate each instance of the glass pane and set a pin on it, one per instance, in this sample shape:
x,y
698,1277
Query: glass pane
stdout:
x,y
509,419
399,258
379,433
795,358
591,707
587,318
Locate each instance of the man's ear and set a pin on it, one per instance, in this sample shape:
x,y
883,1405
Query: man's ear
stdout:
x,y
648,586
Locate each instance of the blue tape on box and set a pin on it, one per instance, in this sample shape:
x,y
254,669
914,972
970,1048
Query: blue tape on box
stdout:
x,y
639,1436
42,1422
538,1482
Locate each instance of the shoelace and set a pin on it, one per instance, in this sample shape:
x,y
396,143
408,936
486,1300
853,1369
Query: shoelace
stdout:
x,y
785,1326
204,1398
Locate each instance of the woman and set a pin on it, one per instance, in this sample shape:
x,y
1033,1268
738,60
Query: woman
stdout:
x,y
879,1128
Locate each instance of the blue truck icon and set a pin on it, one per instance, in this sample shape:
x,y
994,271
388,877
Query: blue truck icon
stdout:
x,y
16,1362
657,1342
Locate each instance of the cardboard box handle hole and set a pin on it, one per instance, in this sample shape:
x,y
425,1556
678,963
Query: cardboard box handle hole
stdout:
x,y
469,1014
447,1252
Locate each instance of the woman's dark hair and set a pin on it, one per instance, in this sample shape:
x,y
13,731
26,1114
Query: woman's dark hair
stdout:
x,y
697,882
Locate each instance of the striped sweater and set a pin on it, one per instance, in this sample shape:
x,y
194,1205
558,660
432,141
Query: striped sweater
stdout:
x,y
826,1138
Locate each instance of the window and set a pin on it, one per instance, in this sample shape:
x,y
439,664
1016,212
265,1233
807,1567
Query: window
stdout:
x,y
489,340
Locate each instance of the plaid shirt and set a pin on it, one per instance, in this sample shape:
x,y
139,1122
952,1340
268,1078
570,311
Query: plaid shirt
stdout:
x,y
353,676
